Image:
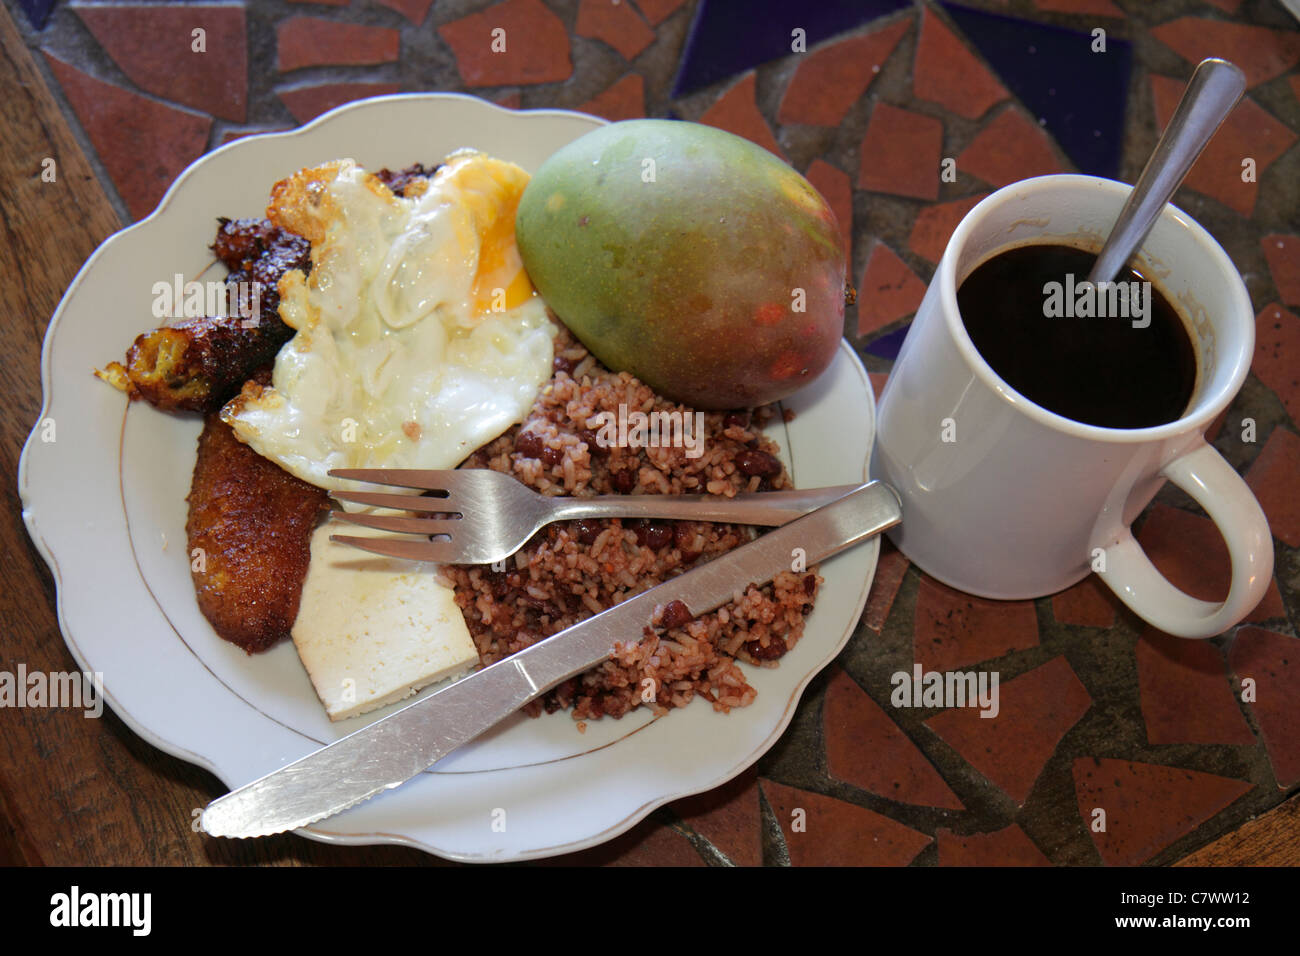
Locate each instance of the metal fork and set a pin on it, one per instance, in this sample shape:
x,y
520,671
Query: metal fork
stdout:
x,y
482,517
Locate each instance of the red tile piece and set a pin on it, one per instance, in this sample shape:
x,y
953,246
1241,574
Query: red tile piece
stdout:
x,y
144,145
1295,86
830,80
1099,8
865,748
1260,52
900,153
892,566
1035,710
1006,847
889,290
511,101
1188,549
1147,806
1185,693
1248,132
530,45
308,102
313,41
946,72
1010,148
736,111
729,817
413,10
657,11
614,22
1277,346
1274,477
153,45
624,100
646,844
954,630
833,183
1283,255
1087,604
934,225
835,833
1272,661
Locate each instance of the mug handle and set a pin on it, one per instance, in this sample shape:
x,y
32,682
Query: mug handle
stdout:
x,y
1207,477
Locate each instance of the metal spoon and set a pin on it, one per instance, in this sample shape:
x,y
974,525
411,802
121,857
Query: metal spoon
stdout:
x,y
1210,96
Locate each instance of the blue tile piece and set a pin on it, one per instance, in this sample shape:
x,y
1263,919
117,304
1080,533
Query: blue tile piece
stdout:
x,y
1079,95
887,346
38,11
729,37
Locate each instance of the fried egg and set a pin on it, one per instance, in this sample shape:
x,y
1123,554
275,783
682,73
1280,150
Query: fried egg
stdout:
x,y
418,335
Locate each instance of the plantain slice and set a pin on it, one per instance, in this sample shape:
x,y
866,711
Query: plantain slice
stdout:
x,y
249,531
198,363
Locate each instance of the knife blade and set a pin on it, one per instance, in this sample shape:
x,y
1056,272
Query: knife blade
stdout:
x,y
391,751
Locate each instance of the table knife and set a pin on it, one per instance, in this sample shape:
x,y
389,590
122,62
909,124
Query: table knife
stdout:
x,y
391,751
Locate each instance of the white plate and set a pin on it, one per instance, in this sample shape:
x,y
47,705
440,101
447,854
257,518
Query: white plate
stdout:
x,y
105,504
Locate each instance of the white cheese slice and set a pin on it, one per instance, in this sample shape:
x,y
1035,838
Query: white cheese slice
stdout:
x,y
372,630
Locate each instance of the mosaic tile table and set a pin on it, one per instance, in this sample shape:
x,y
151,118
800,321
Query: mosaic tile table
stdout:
x,y
1095,707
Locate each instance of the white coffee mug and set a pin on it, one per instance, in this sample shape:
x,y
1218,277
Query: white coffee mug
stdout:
x,y
1005,499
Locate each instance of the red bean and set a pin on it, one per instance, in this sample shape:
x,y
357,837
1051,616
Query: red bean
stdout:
x,y
775,648
753,462
594,448
675,614
552,456
625,480
658,535
565,365
529,444
652,534
587,530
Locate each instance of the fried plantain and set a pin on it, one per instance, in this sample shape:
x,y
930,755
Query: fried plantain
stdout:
x,y
198,363
252,523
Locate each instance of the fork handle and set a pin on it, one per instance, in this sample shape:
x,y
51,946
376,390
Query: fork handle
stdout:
x,y
768,508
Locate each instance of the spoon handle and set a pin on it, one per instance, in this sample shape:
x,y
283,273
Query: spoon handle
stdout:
x,y
1210,96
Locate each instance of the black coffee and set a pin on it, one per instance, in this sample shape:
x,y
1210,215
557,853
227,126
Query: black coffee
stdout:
x,y
1118,357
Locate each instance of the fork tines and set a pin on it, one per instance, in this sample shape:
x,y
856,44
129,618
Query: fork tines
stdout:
x,y
436,519
379,499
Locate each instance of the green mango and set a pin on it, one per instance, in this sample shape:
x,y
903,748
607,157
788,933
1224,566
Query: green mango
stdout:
x,y
689,257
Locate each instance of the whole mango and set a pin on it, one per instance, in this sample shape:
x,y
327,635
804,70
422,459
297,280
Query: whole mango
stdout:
x,y
689,257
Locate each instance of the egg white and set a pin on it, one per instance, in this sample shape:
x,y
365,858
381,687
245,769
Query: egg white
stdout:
x,y
418,336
